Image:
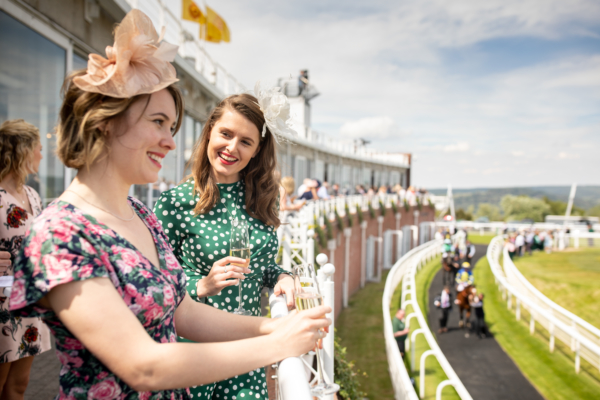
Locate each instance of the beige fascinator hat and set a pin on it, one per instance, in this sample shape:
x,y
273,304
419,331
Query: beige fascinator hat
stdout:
x,y
137,63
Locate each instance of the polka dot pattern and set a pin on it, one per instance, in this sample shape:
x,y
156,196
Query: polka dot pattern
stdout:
x,y
199,241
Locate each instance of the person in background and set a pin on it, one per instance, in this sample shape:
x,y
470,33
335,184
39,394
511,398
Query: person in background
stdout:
x,y
400,330
470,251
439,235
21,338
302,188
548,242
520,243
335,190
286,196
464,277
321,190
310,193
476,302
590,240
444,303
382,190
529,242
359,189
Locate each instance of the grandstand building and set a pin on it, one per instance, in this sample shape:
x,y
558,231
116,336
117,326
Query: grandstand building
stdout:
x,y
43,41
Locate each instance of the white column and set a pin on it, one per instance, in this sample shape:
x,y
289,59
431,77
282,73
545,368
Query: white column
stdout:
x,y
363,254
347,234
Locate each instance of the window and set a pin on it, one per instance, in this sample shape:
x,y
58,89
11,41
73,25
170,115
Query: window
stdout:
x,y
32,71
192,129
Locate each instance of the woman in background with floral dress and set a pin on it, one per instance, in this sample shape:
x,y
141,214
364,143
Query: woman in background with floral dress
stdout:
x,y
20,338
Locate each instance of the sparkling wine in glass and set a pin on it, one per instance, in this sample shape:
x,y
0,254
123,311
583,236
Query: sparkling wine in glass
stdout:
x,y
308,295
239,246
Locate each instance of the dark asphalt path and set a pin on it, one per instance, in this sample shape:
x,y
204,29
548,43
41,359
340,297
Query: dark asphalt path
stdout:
x,y
484,368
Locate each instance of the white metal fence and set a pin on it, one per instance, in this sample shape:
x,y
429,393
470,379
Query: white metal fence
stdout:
x,y
404,272
582,337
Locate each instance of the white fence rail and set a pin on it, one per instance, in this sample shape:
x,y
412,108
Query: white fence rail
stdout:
x,y
404,272
498,227
582,337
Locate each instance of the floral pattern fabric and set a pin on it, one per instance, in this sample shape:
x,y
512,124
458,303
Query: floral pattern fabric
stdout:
x,y
67,245
19,337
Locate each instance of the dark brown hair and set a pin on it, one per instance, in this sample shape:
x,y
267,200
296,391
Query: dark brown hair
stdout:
x,y
80,141
262,185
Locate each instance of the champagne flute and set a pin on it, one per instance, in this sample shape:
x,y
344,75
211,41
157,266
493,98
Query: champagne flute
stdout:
x,y
239,246
308,295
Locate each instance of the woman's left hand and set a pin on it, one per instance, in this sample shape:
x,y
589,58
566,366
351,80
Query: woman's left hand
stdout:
x,y
285,285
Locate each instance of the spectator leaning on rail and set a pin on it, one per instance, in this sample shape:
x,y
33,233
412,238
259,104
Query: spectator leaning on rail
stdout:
x,y
400,330
97,266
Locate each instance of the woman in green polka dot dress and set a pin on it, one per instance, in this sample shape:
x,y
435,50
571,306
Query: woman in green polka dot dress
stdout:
x,y
233,177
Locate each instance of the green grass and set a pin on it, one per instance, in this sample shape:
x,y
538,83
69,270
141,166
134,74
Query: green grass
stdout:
x,y
553,374
570,278
481,239
360,329
433,371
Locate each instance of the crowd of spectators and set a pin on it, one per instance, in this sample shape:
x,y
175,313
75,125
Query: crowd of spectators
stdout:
x,y
313,189
528,241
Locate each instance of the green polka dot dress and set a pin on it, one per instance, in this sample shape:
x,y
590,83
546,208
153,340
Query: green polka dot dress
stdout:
x,y
199,241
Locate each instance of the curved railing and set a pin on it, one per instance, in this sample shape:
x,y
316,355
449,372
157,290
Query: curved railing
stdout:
x,y
404,272
579,335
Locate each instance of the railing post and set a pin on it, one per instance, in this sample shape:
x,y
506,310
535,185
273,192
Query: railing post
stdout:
x,y
310,247
422,372
531,323
346,292
328,289
518,310
441,386
412,347
577,357
551,331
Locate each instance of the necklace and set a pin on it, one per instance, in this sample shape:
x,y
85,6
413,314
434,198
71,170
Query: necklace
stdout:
x,y
102,209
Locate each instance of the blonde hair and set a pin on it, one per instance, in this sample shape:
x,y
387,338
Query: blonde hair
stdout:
x,y
288,184
17,142
80,141
260,175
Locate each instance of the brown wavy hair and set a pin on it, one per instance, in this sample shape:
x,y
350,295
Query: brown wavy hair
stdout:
x,y
260,176
80,139
17,142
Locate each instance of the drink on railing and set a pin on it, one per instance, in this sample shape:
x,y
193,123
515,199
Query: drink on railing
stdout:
x,y
308,295
306,301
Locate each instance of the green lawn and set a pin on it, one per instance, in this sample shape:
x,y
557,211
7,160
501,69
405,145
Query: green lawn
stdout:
x,y
360,329
553,374
570,278
476,238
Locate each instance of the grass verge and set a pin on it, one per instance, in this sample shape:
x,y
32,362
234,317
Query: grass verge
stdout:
x,y
553,374
481,239
569,278
433,371
360,329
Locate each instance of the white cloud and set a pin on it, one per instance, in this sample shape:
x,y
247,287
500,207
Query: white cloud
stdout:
x,y
389,59
456,148
374,127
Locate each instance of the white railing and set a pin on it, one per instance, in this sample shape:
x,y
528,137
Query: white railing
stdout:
x,y
498,227
582,337
167,14
404,272
293,374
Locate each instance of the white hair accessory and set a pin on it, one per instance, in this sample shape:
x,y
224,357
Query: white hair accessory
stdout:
x,y
276,109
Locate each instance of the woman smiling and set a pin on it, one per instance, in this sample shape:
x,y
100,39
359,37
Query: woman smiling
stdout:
x,y
97,267
233,180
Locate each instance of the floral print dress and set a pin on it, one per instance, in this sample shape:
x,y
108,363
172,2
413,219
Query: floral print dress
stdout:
x,y
66,245
19,337
199,241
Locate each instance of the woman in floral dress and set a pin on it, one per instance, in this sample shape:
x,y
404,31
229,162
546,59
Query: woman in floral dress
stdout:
x,y
97,266
233,179
20,338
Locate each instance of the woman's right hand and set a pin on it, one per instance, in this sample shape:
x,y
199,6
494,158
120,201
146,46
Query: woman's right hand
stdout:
x,y
221,271
299,332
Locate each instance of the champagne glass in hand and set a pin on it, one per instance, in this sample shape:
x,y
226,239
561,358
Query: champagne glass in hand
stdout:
x,y
239,246
308,295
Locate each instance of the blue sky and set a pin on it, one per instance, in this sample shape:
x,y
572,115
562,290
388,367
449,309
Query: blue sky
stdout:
x,y
495,93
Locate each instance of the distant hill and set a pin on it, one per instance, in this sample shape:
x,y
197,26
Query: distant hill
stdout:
x,y
586,196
